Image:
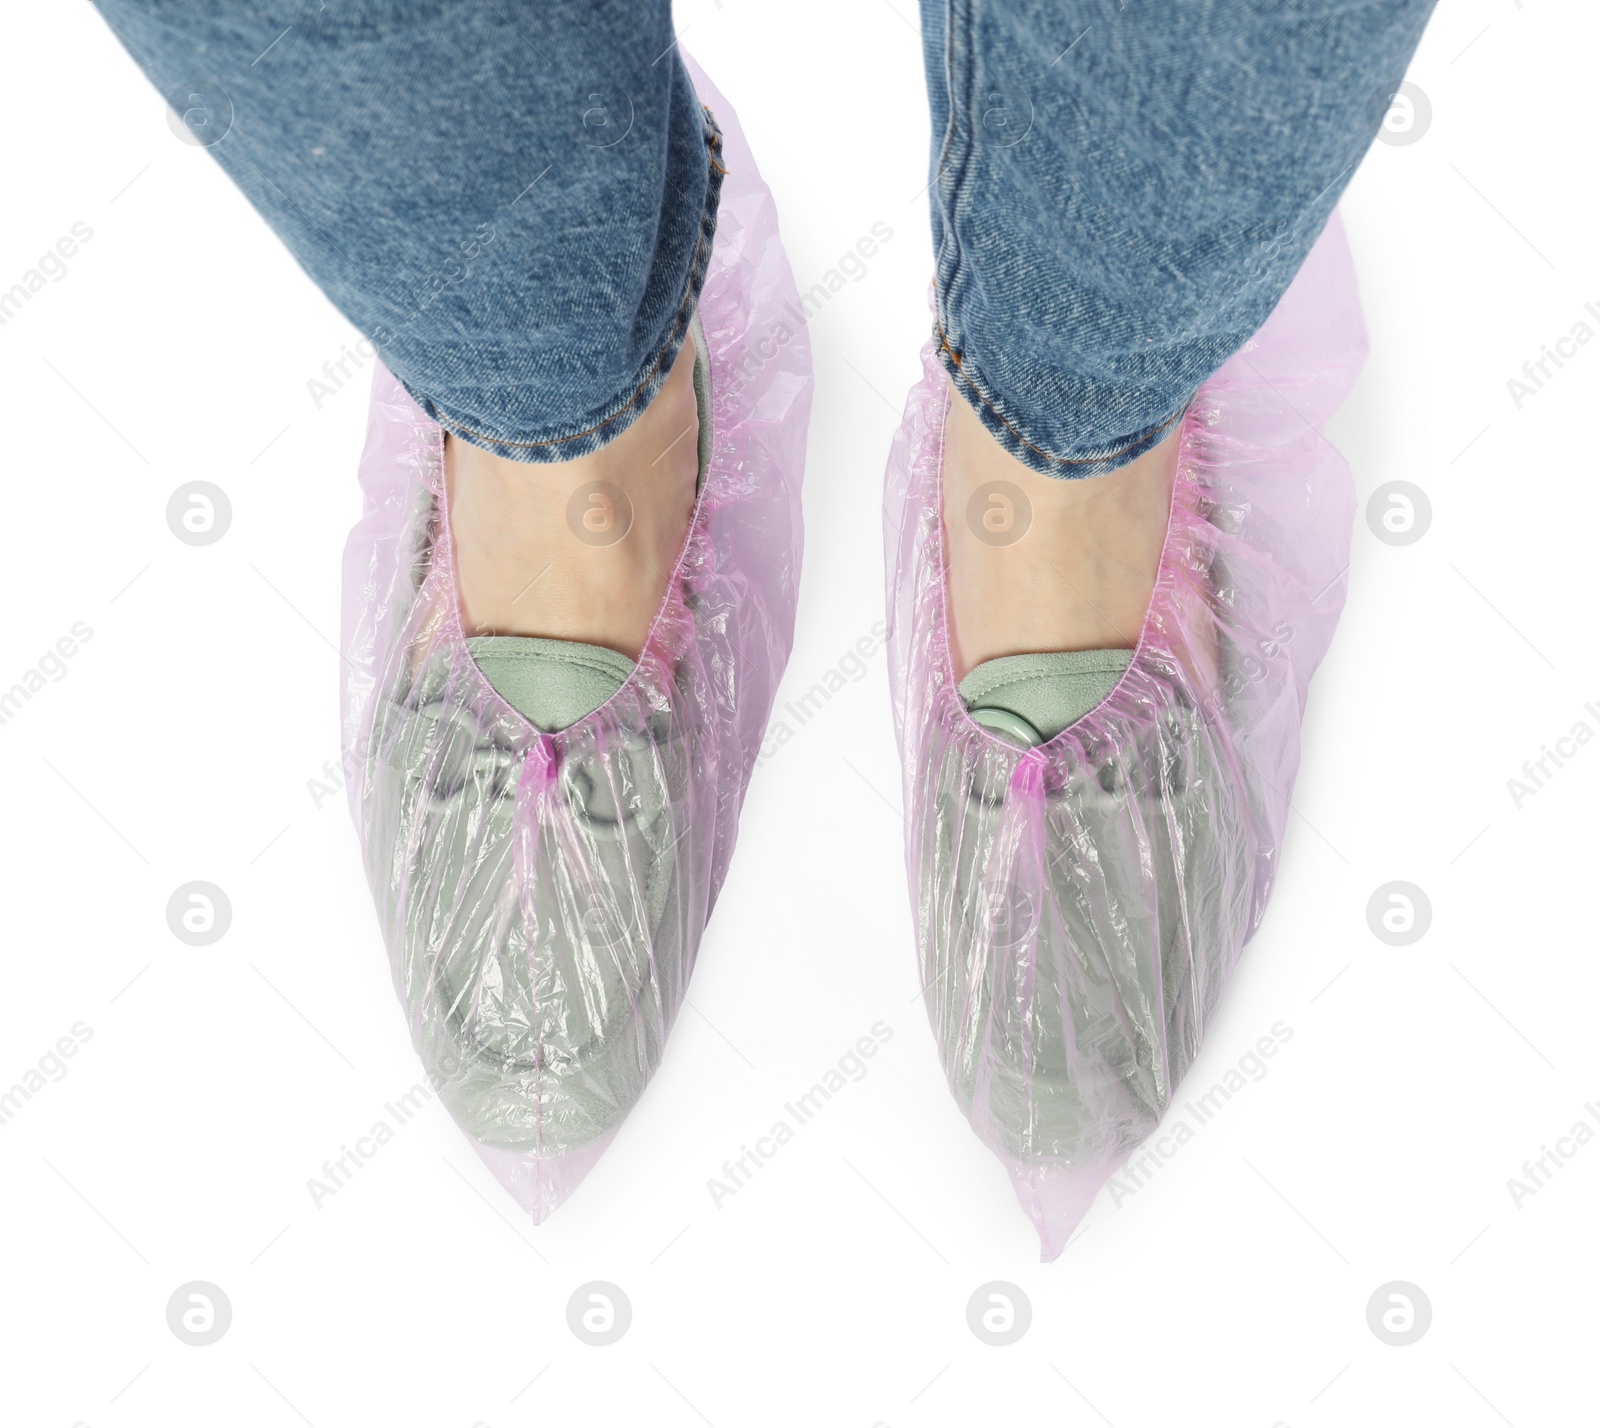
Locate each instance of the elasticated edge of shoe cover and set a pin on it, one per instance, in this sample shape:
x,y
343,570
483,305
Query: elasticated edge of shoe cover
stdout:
x,y
555,683
1041,693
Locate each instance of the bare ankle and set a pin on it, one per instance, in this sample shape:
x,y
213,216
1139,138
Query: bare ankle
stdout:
x,y
582,549
1039,564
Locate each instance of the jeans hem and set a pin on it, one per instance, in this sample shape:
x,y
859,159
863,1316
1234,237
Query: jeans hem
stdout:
x,y
589,433
1018,436
1101,460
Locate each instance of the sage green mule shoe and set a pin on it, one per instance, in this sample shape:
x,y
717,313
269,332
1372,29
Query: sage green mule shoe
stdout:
x,y
1031,698
551,683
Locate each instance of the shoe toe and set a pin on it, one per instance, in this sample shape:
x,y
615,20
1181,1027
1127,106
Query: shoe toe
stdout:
x,y
1081,950
539,930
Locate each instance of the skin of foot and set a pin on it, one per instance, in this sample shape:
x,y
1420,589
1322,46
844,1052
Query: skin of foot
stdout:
x,y
583,549
1037,564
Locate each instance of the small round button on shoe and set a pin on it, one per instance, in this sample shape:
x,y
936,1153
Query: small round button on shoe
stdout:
x,y
1011,727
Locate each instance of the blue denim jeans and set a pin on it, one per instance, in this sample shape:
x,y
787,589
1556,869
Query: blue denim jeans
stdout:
x,y
1123,189
515,201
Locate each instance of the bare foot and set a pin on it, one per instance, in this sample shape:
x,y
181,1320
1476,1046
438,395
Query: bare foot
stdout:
x,y
1038,564
578,550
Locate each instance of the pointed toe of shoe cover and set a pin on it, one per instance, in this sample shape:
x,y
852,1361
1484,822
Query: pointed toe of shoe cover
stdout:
x,y
542,894
1080,904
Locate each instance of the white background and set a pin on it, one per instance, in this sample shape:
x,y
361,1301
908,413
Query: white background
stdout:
x,y
1232,1289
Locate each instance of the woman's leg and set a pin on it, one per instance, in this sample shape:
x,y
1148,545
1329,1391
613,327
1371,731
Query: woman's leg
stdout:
x,y
513,201
1120,195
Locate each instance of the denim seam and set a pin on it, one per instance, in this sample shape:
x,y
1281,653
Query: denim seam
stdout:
x,y
957,100
960,58
680,324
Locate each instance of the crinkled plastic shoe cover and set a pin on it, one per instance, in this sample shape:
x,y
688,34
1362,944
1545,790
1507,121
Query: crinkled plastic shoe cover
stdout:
x,y
1080,905
542,896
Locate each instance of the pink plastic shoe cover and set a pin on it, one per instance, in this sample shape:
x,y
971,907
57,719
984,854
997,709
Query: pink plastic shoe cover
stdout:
x,y
542,897
1080,905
